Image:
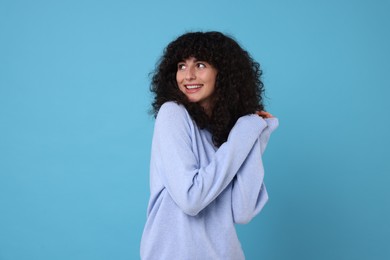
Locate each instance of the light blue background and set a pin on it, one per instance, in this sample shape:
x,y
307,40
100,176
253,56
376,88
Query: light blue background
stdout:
x,y
75,133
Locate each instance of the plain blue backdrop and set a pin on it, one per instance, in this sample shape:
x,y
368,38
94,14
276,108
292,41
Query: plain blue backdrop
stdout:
x,y
75,132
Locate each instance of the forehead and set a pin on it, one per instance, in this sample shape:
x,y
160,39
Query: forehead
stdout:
x,y
193,60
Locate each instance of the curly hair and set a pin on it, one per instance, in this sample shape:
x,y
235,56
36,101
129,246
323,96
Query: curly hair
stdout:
x,y
238,88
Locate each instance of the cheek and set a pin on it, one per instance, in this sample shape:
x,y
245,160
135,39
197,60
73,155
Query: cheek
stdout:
x,y
179,81
213,80
212,77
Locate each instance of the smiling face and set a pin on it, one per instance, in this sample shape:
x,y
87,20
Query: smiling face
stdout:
x,y
196,79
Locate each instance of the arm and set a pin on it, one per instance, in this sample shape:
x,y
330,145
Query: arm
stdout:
x,y
193,187
249,194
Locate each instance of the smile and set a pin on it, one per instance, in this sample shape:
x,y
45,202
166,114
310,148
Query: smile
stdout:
x,y
193,86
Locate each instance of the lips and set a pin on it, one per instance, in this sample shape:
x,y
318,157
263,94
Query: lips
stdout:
x,y
193,86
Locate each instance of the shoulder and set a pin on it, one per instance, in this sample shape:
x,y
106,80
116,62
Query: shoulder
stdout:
x,y
172,113
171,107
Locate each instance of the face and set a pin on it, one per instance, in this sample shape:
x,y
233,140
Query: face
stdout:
x,y
196,79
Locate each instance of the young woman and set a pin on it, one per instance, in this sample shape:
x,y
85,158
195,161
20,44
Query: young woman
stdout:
x,y
206,169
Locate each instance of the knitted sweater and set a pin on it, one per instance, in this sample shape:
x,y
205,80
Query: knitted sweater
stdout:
x,y
198,191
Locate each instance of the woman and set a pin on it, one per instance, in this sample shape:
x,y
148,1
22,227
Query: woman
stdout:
x,y
206,171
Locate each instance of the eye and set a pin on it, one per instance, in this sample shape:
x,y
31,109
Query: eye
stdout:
x,y
181,66
201,65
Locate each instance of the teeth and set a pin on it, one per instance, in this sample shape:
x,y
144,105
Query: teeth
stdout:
x,y
193,86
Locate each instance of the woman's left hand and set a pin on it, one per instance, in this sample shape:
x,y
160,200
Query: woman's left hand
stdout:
x,y
264,114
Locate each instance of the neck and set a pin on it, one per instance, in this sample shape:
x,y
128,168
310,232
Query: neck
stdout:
x,y
208,110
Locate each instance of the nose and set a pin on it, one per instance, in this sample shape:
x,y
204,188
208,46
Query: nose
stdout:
x,y
190,74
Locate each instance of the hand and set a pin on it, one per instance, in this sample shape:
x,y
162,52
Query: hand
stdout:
x,y
264,114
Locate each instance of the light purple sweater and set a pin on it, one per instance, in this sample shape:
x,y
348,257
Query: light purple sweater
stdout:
x,y
198,191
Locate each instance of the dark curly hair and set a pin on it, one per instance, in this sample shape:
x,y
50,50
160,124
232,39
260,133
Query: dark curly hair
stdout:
x,y
238,88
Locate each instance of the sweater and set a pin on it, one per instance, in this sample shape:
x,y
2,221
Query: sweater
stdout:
x,y
199,191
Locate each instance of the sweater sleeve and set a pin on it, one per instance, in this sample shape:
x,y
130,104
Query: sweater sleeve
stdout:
x,y
193,187
249,194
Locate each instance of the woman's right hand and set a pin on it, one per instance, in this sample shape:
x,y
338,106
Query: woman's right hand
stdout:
x,y
264,114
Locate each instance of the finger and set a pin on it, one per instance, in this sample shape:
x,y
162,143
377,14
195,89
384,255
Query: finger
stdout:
x,y
264,114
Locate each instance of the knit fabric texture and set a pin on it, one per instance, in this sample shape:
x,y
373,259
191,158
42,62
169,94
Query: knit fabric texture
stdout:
x,y
198,191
